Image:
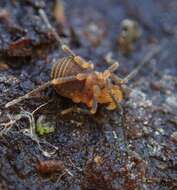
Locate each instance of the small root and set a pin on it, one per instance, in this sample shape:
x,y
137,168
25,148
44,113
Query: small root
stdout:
x,y
74,165
6,127
30,132
41,106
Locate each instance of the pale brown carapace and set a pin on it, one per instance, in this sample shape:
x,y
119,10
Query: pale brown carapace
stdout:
x,y
87,85
75,78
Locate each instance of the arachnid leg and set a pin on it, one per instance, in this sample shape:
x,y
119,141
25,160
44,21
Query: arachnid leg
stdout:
x,y
82,76
121,110
117,79
113,67
83,63
115,101
109,71
56,81
66,49
49,26
75,109
94,106
145,60
28,95
91,63
110,93
79,60
62,80
96,93
114,64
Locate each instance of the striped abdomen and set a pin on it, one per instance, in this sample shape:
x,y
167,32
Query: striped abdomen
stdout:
x,y
66,67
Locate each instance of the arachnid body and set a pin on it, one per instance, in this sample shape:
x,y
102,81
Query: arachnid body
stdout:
x,y
75,78
90,87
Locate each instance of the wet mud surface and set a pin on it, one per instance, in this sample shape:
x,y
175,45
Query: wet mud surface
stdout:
x,y
108,151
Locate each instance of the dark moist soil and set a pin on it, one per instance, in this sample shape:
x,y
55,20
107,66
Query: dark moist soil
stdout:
x,y
108,151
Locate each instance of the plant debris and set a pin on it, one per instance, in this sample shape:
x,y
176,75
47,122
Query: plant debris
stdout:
x,y
43,127
51,166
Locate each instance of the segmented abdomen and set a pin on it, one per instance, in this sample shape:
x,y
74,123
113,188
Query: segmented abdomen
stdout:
x,y
65,67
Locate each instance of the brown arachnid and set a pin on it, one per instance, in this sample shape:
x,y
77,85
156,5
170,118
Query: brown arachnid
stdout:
x,y
75,78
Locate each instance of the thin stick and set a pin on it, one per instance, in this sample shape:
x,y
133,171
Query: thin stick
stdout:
x,y
41,106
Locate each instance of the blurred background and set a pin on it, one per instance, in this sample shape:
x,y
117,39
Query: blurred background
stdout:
x,y
109,151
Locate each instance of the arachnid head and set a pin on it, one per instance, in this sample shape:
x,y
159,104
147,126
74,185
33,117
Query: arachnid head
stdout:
x,y
111,97
100,84
110,93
